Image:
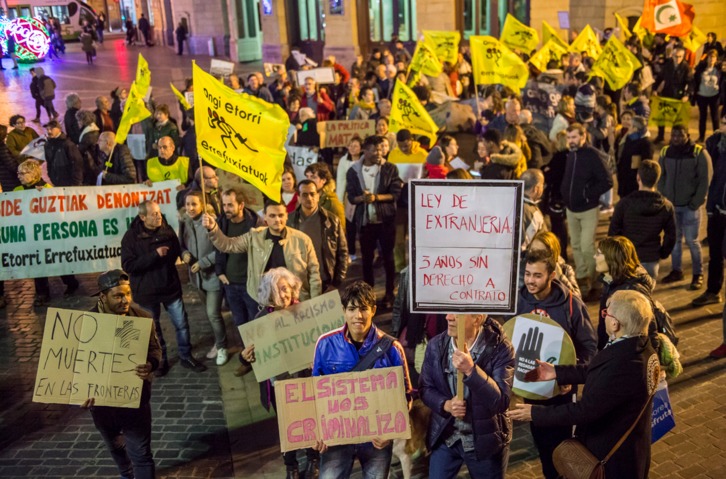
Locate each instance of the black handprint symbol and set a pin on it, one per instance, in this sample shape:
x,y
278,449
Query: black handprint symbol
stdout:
x,y
529,349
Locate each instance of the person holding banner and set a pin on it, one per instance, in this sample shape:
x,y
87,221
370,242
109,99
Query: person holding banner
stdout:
x,y
357,346
472,427
127,431
168,165
674,82
117,169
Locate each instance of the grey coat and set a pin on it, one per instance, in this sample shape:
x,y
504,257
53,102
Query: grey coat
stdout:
x,y
194,239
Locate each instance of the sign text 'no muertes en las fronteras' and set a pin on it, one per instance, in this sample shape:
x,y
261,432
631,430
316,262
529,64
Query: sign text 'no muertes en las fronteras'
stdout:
x,y
347,408
465,238
91,355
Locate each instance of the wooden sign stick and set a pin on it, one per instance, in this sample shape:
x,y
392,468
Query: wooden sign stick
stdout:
x,y
461,344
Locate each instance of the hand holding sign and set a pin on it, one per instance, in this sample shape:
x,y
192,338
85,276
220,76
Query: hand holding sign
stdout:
x,y
530,346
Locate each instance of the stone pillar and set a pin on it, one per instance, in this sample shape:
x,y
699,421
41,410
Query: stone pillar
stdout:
x,y
341,33
275,39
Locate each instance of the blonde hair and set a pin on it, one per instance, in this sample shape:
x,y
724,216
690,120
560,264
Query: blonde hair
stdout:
x,y
632,310
33,167
268,293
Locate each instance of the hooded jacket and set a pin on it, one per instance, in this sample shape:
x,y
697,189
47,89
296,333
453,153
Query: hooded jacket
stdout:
x,y
490,386
65,163
586,178
154,278
567,310
686,172
641,217
46,85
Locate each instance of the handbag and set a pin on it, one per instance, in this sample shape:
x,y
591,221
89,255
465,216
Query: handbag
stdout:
x,y
574,461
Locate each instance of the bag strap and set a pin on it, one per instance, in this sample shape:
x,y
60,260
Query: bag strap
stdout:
x,y
627,433
379,349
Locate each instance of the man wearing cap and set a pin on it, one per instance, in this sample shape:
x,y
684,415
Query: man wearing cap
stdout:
x,y
149,251
127,431
65,163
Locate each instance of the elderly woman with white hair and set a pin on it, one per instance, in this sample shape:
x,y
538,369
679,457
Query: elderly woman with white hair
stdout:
x,y
617,398
279,289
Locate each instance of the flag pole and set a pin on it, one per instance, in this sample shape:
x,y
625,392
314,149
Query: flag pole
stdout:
x,y
461,345
201,181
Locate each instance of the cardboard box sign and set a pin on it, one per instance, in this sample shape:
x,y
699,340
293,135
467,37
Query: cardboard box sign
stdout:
x,y
339,132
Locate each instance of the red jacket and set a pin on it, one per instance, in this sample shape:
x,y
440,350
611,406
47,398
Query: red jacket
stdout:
x,y
326,108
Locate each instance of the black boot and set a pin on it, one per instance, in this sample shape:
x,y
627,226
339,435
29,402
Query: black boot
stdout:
x,y
292,474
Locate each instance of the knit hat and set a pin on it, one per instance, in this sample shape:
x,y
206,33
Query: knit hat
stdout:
x,y
435,156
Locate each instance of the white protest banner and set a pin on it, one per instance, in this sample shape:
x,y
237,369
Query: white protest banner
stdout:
x,y
320,75
221,68
339,132
59,231
91,355
537,337
409,171
285,340
301,157
347,408
464,248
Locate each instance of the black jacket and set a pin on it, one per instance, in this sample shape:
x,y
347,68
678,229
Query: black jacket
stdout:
x,y
618,383
251,220
122,170
388,182
65,163
73,131
641,217
676,79
154,279
8,169
539,144
686,173
627,175
641,283
716,147
586,178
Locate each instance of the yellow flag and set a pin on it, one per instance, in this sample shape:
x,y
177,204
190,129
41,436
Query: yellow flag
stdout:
x,y
445,44
407,113
493,63
639,31
134,111
695,39
184,103
625,32
668,111
240,133
550,51
587,41
143,76
518,36
616,64
424,60
549,33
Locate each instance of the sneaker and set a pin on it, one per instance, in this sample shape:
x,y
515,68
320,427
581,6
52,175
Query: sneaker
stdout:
x,y
242,370
162,370
696,282
212,353
673,277
719,352
193,364
222,357
707,298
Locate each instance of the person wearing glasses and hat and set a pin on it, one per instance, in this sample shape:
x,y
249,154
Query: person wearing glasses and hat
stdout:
x,y
127,431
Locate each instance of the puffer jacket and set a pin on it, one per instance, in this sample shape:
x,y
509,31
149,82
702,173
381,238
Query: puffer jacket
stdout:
x,y
586,178
300,257
334,248
194,240
154,279
641,217
387,182
686,172
490,386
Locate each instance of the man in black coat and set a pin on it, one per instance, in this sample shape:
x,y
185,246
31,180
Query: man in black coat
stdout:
x,y
118,169
619,386
65,163
674,82
145,29
149,251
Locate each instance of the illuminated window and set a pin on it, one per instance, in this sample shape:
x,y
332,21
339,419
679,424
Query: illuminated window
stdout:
x,y
389,18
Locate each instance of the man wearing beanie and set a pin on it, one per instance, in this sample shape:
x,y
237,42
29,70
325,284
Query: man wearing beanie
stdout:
x,y
435,167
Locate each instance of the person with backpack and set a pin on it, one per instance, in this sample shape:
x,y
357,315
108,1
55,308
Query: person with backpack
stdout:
x,y
46,89
357,346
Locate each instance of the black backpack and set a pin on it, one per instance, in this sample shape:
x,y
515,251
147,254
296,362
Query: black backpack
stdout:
x,y
664,322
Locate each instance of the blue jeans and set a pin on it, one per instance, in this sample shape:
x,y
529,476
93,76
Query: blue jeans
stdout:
x,y
652,268
337,461
179,319
688,223
446,462
213,302
243,307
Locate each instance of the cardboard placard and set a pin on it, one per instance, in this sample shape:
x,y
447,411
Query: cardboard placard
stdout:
x,y
91,355
347,408
222,68
464,248
339,132
285,340
322,75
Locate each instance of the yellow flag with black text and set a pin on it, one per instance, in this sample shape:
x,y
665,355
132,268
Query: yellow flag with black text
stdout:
x,y
445,44
425,61
407,113
493,62
639,31
616,64
550,51
182,100
549,33
694,39
625,32
240,133
588,42
143,76
134,111
518,36
669,111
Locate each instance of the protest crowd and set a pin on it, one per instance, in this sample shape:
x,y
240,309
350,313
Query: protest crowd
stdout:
x,y
570,120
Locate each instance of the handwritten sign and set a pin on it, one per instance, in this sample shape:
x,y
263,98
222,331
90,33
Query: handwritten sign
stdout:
x,y
321,75
301,157
91,355
537,337
285,340
464,248
348,408
338,133
72,230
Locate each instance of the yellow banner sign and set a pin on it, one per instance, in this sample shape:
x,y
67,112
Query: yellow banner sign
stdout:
x,y
143,76
339,132
285,340
668,111
91,355
240,133
518,36
347,408
549,33
616,64
550,51
134,111
183,101
494,63
695,39
407,113
445,44
625,32
587,42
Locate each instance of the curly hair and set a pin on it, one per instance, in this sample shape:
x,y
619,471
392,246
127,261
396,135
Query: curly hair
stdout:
x,y
268,293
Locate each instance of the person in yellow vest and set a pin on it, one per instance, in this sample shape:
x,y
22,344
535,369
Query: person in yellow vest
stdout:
x,y
168,165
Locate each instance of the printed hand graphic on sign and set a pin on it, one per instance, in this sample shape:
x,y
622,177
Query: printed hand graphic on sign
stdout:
x,y
530,346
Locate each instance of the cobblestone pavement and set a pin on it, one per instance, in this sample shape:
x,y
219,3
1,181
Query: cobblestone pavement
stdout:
x,y
211,425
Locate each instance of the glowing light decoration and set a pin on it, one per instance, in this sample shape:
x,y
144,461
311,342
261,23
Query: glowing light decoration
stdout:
x,y
31,38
